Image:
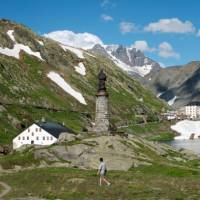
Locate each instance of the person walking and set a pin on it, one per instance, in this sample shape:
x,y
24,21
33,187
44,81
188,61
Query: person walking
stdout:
x,y
102,172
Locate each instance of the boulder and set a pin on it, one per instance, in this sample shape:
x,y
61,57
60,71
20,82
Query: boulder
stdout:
x,y
45,154
66,137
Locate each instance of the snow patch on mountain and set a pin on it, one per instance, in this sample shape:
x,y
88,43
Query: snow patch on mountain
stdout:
x,y
185,128
17,48
56,78
172,101
89,54
129,59
10,34
111,47
140,70
76,51
143,70
159,94
80,69
40,42
128,54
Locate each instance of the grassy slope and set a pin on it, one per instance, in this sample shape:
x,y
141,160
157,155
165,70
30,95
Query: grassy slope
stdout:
x,y
24,81
150,182
156,131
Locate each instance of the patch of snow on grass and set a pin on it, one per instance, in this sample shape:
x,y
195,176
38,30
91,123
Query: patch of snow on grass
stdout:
x,y
41,43
56,78
171,102
80,69
10,34
17,48
185,128
76,51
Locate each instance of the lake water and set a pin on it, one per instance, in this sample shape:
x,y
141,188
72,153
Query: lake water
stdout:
x,y
193,145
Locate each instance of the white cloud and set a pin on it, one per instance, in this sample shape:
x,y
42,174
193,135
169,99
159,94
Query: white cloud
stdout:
x,y
173,25
107,3
80,40
165,50
104,3
198,33
127,27
142,45
161,64
106,17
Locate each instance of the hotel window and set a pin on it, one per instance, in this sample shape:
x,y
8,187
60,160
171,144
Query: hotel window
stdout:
x,y
40,129
51,138
19,138
47,137
27,138
28,130
23,138
32,134
37,138
43,138
36,129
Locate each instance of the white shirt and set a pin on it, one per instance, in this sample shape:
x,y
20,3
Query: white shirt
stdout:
x,y
102,168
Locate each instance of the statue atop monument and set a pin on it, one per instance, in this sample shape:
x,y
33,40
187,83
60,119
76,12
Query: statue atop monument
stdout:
x,y
102,81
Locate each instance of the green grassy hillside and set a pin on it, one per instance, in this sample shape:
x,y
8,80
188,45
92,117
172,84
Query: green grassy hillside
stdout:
x,y
27,95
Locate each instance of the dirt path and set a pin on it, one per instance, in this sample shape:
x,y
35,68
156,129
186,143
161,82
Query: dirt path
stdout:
x,y
6,189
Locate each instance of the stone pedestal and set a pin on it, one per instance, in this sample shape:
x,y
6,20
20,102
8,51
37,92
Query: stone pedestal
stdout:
x,y
102,114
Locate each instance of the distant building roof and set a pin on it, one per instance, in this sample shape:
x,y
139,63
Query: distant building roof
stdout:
x,y
194,103
54,129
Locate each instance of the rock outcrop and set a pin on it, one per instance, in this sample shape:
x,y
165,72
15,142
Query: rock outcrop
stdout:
x,y
120,153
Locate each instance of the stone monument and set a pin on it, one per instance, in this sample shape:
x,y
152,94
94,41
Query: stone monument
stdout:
x,y
102,114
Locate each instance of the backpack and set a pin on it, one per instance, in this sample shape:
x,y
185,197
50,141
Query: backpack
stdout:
x,y
106,170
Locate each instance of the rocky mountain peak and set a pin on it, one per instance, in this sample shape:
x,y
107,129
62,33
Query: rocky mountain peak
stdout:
x,y
131,60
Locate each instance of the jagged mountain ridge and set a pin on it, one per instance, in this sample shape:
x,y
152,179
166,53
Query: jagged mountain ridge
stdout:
x,y
178,85
127,58
43,79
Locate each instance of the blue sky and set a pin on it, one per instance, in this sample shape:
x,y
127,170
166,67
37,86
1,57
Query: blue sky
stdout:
x,y
168,29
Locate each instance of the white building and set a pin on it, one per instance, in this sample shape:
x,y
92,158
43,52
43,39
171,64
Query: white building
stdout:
x,y
170,115
192,110
40,134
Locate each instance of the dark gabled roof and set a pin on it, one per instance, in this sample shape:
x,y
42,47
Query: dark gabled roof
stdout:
x,y
193,103
54,129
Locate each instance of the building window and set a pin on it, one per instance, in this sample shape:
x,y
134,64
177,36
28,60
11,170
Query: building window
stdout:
x,y
40,129
43,138
28,130
47,137
19,138
36,129
51,138
27,138
32,134
23,138
37,138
